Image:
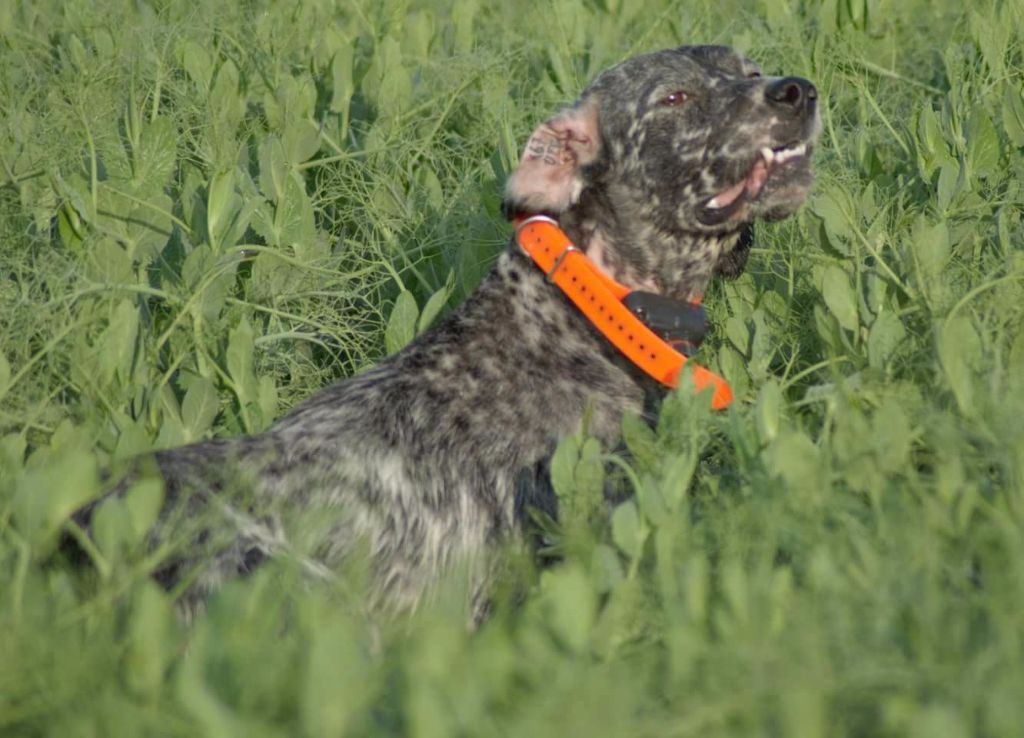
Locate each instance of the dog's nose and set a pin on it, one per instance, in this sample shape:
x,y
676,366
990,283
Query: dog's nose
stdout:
x,y
793,93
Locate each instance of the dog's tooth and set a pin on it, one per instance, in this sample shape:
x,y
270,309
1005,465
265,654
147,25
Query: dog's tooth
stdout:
x,y
768,154
713,204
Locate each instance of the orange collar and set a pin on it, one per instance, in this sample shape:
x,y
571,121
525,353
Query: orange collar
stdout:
x,y
599,298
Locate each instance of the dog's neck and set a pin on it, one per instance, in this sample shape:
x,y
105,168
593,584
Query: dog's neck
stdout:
x,y
641,256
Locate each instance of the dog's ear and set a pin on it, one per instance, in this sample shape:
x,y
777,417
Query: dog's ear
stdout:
x,y
548,179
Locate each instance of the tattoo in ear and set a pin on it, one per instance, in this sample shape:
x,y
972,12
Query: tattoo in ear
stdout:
x,y
549,149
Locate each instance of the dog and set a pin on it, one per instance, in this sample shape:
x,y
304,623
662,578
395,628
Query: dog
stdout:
x,y
434,457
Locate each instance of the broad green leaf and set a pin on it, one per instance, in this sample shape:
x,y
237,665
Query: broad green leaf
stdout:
x,y
133,438
931,247
794,457
76,191
221,205
342,87
982,145
388,84
112,528
940,720
677,473
652,497
341,80
805,711
831,206
959,350
108,262
563,466
1013,115
336,663
626,530
5,375
401,326
419,33
274,168
70,228
435,304
892,437
267,392
291,103
199,407
886,334
172,432
876,290
839,297
589,473
152,640
117,347
209,279
867,204
197,62
239,361
781,597
48,493
736,591
605,569
571,605
1015,364
294,223
763,345
103,43
827,328
227,106
431,186
143,501
950,178
12,454
640,440
769,410
734,370
738,333
199,699
149,227
992,35
930,135
668,542
463,13
301,140
697,582
154,160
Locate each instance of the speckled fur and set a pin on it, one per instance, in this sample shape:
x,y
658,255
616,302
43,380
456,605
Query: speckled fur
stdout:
x,y
431,458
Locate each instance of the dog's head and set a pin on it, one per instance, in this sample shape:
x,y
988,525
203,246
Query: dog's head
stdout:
x,y
674,151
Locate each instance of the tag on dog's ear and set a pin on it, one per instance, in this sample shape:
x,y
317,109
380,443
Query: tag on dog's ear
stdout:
x,y
548,178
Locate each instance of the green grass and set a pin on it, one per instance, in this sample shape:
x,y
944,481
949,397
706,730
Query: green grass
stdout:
x,y
207,213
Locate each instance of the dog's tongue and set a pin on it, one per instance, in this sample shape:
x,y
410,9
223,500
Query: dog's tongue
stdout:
x,y
751,185
756,179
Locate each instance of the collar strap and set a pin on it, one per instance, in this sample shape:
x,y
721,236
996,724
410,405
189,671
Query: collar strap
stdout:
x,y
600,299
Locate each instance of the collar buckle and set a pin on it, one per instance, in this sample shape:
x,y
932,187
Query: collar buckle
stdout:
x,y
655,333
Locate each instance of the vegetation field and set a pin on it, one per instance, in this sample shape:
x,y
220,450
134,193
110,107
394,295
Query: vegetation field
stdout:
x,y
209,210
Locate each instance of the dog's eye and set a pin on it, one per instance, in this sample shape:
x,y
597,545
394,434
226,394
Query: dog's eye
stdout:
x,y
674,100
754,75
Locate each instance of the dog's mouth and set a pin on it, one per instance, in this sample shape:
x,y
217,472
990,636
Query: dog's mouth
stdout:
x,y
770,163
